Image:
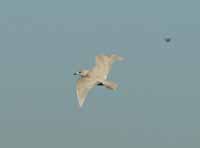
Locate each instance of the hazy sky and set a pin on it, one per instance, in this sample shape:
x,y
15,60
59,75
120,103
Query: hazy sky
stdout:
x,y
42,43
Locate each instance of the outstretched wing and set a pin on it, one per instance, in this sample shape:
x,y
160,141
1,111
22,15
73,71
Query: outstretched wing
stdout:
x,y
104,65
83,87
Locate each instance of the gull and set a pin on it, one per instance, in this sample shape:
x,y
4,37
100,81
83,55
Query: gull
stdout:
x,y
97,76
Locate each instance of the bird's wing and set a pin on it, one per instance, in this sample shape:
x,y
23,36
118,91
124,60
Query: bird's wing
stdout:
x,y
104,65
83,87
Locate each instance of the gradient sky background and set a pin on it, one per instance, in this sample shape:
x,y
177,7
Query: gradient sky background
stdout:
x,y
42,43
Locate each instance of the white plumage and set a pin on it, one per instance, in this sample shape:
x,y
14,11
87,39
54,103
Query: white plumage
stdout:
x,y
96,76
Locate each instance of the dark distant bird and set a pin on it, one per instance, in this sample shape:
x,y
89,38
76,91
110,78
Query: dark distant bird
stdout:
x,y
167,39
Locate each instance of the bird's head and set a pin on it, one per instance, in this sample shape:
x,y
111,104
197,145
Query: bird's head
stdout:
x,y
82,73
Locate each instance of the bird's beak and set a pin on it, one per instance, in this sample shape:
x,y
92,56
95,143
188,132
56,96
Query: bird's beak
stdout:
x,y
76,73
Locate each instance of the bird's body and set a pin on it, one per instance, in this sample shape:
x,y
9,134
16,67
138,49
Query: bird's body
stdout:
x,y
96,76
167,39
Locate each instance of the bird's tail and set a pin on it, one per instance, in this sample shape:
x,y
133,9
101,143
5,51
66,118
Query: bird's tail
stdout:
x,y
110,85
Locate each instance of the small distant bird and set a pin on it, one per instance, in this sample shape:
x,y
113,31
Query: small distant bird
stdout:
x,y
167,39
96,76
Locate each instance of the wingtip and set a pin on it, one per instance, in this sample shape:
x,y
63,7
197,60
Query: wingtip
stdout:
x,y
121,58
117,57
80,103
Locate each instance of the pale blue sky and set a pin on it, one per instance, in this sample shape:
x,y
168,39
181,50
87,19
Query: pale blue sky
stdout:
x,y
42,43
